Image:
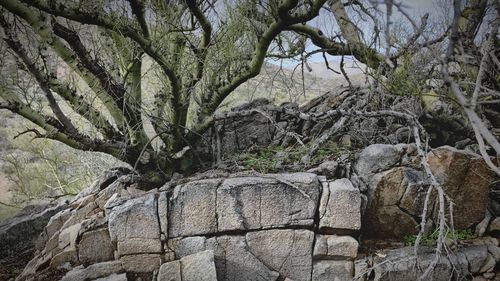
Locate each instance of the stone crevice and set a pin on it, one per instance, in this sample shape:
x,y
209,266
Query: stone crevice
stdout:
x,y
216,204
243,232
286,226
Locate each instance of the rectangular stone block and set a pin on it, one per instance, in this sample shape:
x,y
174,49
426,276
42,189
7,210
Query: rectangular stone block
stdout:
x,y
170,271
286,251
328,270
335,247
340,208
141,262
135,218
192,209
95,246
138,246
199,267
249,203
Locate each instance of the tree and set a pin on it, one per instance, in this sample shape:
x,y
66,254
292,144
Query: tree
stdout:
x,y
202,49
196,52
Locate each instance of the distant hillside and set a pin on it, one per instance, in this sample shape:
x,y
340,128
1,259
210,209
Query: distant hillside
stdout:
x,y
287,84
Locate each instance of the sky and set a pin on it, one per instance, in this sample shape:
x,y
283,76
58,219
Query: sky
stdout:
x,y
415,8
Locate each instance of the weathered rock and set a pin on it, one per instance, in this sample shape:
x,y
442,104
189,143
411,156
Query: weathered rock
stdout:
x,y
68,255
163,213
395,200
477,257
494,252
192,209
377,158
494,225
396,188
340,208
245,228
234,262
79,214
188,245
412,200
249,203
20,232
138,246
465,178
395,265
287,252
69,235
265,254
335,247
488,265
238,202
52,244
113,277
54,225
170,271
134,225
141,262
95,246
233,259
199,267
327,270
238,134
104,195
399,264
94,271
327,168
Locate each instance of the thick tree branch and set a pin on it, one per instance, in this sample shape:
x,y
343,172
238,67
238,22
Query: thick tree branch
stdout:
x,y
201,50
66,54
126,30
115,90
48,84
254,66
107,82
361,52
86,17
483,66
53,129
138,9
350,32
41,79
464,102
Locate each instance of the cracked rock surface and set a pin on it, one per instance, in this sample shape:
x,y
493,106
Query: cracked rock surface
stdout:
x,y
395,185
268,227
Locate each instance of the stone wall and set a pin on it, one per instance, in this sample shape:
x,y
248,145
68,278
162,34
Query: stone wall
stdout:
x,y
295,226
273,226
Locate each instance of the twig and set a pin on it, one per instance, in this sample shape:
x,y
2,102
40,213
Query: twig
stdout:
x,y
9,205
487,48
324,138
344,73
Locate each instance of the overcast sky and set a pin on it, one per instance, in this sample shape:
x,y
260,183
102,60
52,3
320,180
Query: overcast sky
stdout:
x,y
415,8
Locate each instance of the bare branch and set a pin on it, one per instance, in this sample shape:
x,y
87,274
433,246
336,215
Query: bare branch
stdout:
x,y
107,82
324,138
43,80
65,53
487,48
